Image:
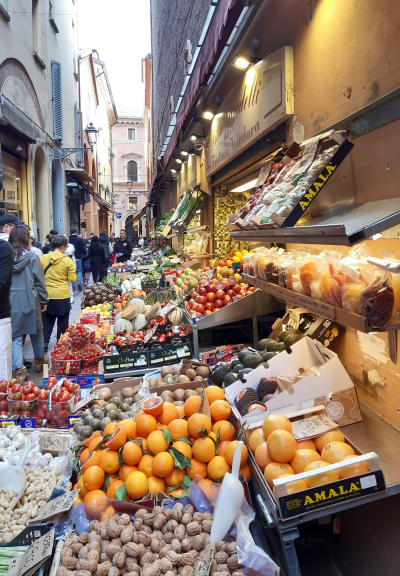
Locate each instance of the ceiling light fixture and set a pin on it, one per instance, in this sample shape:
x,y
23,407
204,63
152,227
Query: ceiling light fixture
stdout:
x,y
245,187
178,160
207,115
184,153
173,170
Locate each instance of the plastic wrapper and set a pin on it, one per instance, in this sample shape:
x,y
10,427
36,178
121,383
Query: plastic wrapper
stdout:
x,y
263,257
269,266
395,318
248,264
377,300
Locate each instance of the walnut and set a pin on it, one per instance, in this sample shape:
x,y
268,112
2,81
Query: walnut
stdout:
x,y
221,546
94,545
231,548
165,565
188,509
197,517
186,518
93,555
89,565
119,559
83,552
159,521
213,567
221,573
187,571
103,545
172,556
147,558
81,573
146,529
126,535
103,557
177,512
206,540
157,510
168,537
156,545
113,529
124,520
141,512
179,532
69,562
186,545
100,527
222,568
142,550
198,542
104,535
237,573
152,570
170,573
71,540
148,519
132,550
206,525
164,550
157,534
134,537
168,513
84,537
194,554
170,526
144,538
113,571
221,557
233,563
186,559
66,553
102,569
76,547
112,550
132,565
94,537
116,542
138,523
193,528
134,573
176,545
62,571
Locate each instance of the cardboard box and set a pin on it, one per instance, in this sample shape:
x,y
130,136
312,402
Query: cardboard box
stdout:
x,y
328,377
320,534
221,354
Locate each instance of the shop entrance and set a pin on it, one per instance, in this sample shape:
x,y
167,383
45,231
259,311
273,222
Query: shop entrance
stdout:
x,y
42,197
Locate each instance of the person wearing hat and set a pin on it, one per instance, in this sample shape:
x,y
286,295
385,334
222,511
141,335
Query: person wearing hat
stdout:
x,y
7,222
32,243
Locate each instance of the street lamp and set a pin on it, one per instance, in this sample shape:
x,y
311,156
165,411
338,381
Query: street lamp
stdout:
x,y
91,135
129,184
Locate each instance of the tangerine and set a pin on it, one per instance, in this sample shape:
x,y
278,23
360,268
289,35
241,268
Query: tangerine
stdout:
x,y
230,452
153,406
184,448
91,460
204,449
145,424
156,484
175,478
156,442
220,410
281,446
110,428
93,478
140,413
82,488
146,465
309,444
204,485
107,514
336,451
262,457
117,439
136,485
222,447
214,393
354,469
162,427
132,453
178,429
302,458
255,439
319,479
330,436
197,467
245,470
113,487
177,492
192,405
276,422
109,461
84,455
125,470
198,425
181,412
78,500
130,428
163,464
88,441
274,470
94,443
95,502
212,435
217,468
226,430
169,412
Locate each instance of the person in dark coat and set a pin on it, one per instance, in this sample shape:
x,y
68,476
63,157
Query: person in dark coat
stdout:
x,y
28,300
105,242
122,248
6,266
79,251
97,259
86,264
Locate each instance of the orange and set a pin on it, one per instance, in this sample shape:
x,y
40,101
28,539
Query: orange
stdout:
x,y
156,442
230,451
130,428
109,461
162,427
183,447
85,455
262,457
354,469
136,485
169,413
281,446
156,484
82,487
91,460
95,502
199,425
214,393
275,422
153,406
175,478
292,487
222,447
274,470
94,443
309,444
132,453
324,439
140,413
145,424
125,470
78,500
113,487
197,467
163,464
144,442
88,441
181,412
107,514
336,451
204,449
245,470
192,405
93,478
226,430
217,468
146,465
320,478
220,410
255,439
176,492
302,458
110,428
113,476
117,439
212,435
178,429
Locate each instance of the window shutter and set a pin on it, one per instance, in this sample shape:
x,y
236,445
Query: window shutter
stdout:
x,y
57,101
78,135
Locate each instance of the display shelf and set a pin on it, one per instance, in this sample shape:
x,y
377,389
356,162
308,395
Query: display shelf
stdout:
x,y
128,373
317,306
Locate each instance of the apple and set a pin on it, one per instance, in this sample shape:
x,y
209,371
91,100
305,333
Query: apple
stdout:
x,y
202,291
236,288
218,303
211,297
179,282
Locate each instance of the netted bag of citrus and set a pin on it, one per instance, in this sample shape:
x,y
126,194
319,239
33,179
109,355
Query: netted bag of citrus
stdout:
x,y
279,454
157,542
160,451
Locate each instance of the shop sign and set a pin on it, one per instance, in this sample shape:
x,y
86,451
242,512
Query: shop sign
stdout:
x,y
188,174
256,104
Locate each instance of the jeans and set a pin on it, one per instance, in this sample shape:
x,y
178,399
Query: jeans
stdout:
x,y
78,272
18,346
5,349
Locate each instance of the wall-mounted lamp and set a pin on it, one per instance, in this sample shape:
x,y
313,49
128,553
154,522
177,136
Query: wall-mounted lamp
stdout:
x,y
240,62
184,153
18,149
91,134
178,160
207,115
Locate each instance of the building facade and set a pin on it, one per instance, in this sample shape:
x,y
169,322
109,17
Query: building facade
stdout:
x,y
130,180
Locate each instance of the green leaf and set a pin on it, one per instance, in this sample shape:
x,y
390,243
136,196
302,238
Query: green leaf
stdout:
x,y
218,432
186,482
184,493
167,435
77,447
184,440
120,459
215,445
172,488
106,480
120,493
180,460
104,489
101,444
202,431
242,430
75,464
138,440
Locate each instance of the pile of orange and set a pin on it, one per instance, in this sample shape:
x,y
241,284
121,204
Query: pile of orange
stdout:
x,y
160,451
279,455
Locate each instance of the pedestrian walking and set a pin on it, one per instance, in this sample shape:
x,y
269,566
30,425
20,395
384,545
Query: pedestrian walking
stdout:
x,y
122,248
28,300
105,242
80,251
70,252
58,270
97,259
141,242
86,264
6,265
34,248
47,243
7,222
145,242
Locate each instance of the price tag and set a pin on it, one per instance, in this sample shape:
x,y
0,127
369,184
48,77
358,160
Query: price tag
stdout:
x,y
311,427
263,174
168,308
28,423
94,395
72,420
9,422
181,352
60,504
308,156
150,333
203,562
35,556
53,443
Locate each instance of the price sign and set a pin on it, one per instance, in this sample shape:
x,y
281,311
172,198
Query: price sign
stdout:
x,y
35,556
150,333
308,156
53,443
203,562
168,308
94,395
57,506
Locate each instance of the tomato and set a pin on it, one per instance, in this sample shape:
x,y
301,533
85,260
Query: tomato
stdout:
x,y
56,396
29,397
65,396
41,414
3,385
16,388
12,381
43,395
28,387
36,390
26,414
3,405
16,396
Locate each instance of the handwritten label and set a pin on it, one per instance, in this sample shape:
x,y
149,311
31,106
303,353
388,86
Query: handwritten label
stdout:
x,y
60,504
263,174
308,157
311,427
36,555
168,308
203,562
53,443
150,333
94,395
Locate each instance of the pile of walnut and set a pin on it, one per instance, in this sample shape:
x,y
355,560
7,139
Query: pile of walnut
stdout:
x,y
157,543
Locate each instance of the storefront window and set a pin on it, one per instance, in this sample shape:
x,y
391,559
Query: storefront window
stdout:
x,y
11,197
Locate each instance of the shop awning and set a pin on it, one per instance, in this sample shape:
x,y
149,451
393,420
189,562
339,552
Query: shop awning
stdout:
x,y
139,215
103,203
10,114
79,173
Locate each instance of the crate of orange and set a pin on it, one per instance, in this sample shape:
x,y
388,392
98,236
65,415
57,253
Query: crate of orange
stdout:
x,y
309,474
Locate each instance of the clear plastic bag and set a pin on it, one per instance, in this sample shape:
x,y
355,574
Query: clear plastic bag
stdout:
x,y
269,266
377,301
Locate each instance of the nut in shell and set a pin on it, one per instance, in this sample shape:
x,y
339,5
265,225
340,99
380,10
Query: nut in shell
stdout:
x,y
113,529
233,563
186,545
206,525
179,532
168,513
69,562
112,550
113,571
159,521
82,572
221,545
221,557
119,559
141,512
198,542
186,518
124,520
231,548
144,538
168,537
172,556
148,519
83,537
213,567
126,534
83,552
193,528
188,509
165,565
177,512
197,517
132,565
186,559
147,558
156,545
89,565
104,535
157,510
102,569
187,571
176,545
93,555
